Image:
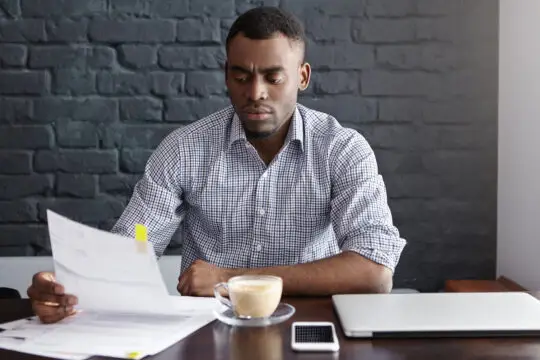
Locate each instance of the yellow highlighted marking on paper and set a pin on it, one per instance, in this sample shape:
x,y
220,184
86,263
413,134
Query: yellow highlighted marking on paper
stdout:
x,y
133,355
141,235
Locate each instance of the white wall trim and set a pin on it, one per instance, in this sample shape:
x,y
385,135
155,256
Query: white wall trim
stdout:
x,y
17,272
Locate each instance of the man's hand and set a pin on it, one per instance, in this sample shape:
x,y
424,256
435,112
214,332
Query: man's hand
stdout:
x,y
200,278
49,301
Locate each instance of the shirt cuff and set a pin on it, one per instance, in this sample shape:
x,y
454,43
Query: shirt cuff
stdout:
x,y
387,258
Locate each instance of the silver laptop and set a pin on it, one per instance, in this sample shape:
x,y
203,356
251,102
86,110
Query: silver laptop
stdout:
x,y
438,315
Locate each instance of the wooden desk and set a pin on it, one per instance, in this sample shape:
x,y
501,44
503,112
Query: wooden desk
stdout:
x,y
218,341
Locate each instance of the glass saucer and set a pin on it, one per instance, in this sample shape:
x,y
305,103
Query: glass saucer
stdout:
x,y
283,312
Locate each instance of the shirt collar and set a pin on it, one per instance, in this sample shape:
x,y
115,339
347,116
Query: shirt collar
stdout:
x,y
295,133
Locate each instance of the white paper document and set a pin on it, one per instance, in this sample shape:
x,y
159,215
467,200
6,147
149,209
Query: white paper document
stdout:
x,y
124,308
16,345
108,334
106,271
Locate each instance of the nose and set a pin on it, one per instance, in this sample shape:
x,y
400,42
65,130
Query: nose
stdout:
x,y
256,90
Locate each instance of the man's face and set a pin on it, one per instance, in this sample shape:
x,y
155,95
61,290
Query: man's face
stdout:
x,y
263,78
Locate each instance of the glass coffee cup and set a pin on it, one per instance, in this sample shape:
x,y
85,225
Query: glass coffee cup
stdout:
x,y
251,296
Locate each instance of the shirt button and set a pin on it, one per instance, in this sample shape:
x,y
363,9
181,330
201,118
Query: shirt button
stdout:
x,y
265,175
259,247
262,212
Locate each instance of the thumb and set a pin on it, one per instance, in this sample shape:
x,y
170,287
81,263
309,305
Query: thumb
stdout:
x,y
46,281
49,276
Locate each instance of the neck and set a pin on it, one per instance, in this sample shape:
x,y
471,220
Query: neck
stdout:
x,y
270,146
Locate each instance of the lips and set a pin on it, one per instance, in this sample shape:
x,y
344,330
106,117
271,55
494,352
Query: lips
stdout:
x,y
257,113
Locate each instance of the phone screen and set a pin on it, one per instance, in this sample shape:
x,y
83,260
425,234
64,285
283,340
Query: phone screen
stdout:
x,y
313,334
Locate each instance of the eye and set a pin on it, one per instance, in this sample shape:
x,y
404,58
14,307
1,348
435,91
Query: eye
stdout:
x,y
274,79
241,79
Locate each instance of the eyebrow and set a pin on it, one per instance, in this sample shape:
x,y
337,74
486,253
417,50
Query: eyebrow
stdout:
x,y
271,69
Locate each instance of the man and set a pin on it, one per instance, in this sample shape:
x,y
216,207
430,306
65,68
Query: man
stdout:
x,y
266,186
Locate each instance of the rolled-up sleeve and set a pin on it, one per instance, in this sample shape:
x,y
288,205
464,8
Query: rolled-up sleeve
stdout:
x,y
156,200
361,217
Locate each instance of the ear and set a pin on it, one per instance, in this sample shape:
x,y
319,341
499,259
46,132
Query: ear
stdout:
x,y
225,67
305,76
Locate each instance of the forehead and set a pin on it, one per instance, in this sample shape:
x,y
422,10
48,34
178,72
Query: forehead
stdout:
x,y
278,50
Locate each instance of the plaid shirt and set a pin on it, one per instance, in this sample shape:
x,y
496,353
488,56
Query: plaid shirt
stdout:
x,y
320,195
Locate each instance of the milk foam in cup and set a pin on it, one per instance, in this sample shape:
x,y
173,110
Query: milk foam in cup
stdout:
x,y
251,296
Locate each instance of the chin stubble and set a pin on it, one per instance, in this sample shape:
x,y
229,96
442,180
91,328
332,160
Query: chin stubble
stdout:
x,y
253,135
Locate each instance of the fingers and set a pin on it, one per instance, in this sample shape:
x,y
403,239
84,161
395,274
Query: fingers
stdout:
x,y
187,290
49,301
183,289
198,279
45,282
205,291
183,283
60,300
44,288
193,286
50,314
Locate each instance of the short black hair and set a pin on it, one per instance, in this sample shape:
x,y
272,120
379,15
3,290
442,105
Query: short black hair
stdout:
x,y
263,22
